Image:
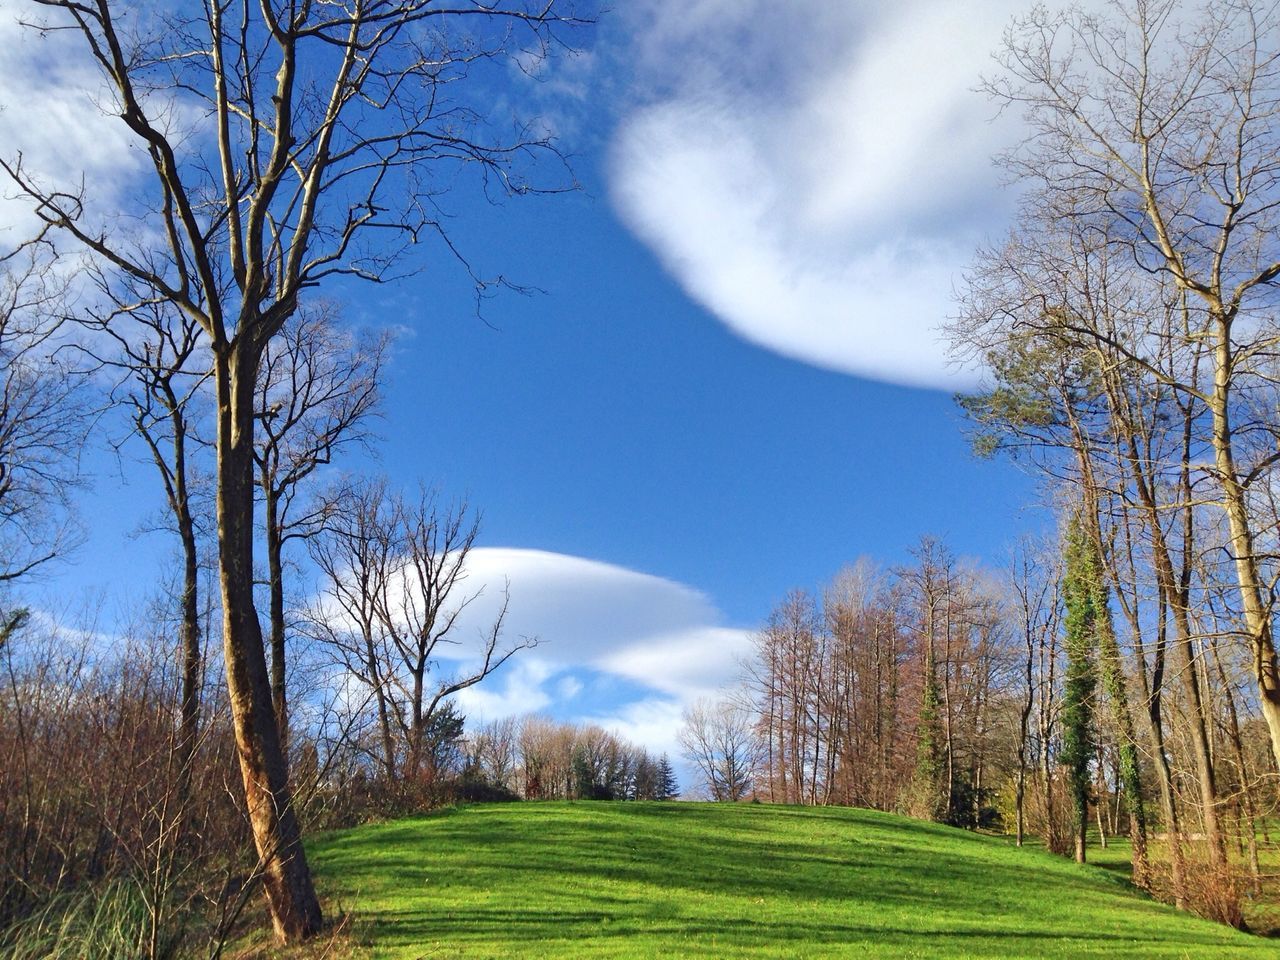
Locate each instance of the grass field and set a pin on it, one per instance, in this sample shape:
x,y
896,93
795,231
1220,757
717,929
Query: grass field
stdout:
x,y
643,880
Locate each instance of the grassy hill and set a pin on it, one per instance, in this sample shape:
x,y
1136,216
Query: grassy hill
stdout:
x,y
644,881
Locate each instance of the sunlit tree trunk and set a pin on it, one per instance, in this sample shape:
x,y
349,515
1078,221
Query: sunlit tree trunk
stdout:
x,y
295,910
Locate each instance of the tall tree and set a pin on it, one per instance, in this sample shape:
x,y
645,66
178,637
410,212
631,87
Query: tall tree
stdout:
x,y
318,390
308,130
1080,597
1156,130
164,370
931,586
1033,580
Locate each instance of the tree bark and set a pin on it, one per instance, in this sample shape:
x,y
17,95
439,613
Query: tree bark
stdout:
x,y
275,586
295,910
1257,618
189,631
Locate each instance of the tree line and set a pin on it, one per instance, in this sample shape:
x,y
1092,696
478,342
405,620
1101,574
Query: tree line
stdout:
x,y
535,758
997,699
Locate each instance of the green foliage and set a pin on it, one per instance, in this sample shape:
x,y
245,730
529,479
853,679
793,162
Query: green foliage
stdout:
x,y
1113,685
589,782
1034,376
1080,594
442,735
708,880
929,796
668,786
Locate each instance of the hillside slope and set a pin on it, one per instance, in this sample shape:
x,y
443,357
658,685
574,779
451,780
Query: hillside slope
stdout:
x,y
643,880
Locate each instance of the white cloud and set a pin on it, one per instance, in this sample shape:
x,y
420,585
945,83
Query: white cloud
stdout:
x,y
52,113
697,661
568,687
663,638
585,613
517,690
817,175
653,722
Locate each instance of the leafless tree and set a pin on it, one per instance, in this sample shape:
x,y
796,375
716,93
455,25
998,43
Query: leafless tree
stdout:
x,y
318,391
394,573
356,553
420,607
42,415
1153,132
719,738
162,368
287,144
1034,583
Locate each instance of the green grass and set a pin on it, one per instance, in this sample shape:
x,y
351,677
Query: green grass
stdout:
x,y
641,880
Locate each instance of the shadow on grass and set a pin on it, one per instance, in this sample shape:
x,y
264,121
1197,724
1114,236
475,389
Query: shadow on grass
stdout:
x,y
729,878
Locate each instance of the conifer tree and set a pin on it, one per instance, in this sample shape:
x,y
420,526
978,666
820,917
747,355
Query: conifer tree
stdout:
x,y
668,786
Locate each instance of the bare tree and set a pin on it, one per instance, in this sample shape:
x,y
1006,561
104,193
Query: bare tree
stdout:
x,y
420,606
1157,133
356,551
42,420
719,738
1033,580
318,391
394,574
157,353
1122,438
282,139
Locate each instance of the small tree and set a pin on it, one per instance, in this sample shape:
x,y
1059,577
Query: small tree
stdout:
x,y
668,786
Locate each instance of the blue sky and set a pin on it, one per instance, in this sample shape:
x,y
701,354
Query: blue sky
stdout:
x,y
731,383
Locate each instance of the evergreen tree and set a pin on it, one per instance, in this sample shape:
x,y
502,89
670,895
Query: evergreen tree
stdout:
x,y
668,786
1113,685
1080,595
930,797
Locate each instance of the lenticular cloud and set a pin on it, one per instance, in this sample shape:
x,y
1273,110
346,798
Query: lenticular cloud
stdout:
x,y
826,215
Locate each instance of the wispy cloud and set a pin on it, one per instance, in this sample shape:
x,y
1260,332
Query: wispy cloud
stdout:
x,y
55,113
817,175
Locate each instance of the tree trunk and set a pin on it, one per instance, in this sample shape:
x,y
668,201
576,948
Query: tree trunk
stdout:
x,y
1130,780
1250,825
1257,618
380,698
1044,724
291,898
1153,695
192,658
275,583
1112,668
1175,590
